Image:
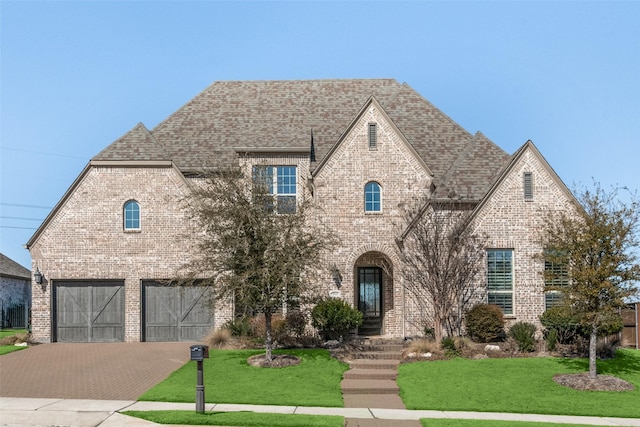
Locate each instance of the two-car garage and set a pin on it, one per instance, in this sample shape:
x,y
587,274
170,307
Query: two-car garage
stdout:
x,y
94,311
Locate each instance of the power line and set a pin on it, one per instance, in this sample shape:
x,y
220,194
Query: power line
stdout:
x,y
18,205
20,228
21,218
43,153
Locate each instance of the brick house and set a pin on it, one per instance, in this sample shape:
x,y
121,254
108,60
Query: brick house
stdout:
x,y
376,146
15,293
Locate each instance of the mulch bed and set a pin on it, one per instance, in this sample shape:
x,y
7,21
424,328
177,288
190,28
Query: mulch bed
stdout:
x,y
600,383
278,361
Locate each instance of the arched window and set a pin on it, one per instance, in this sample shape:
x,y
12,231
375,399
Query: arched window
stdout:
x,y
131,215
372,197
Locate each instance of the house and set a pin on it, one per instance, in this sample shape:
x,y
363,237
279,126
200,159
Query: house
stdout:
x,y
366,148
15,293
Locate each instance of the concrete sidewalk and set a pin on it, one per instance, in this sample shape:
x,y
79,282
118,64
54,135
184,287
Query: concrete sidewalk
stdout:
x,y
106,413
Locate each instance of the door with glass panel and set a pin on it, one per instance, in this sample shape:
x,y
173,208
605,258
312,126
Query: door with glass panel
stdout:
x,y
370,300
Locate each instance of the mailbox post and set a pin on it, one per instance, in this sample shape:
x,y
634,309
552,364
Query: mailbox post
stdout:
x,y
199,353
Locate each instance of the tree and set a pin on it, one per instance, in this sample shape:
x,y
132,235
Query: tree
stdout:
x,y
596,243
259,250
441,258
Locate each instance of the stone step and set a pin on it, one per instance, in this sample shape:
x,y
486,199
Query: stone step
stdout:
x,y
374,422
375,364
384,347
369,387
371,374
379,355
387,401
381,341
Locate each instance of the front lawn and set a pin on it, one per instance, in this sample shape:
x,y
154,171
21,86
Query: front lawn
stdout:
x,y
521,385
228,378
245,419
6,333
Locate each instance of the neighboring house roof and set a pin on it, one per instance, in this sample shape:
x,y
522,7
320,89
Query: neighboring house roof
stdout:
x,y
281,114
10,268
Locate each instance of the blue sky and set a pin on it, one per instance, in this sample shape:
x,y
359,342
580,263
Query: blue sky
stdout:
x,y
77,75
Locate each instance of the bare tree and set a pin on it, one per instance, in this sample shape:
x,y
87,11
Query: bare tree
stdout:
x,y
595,246
441,259
260,250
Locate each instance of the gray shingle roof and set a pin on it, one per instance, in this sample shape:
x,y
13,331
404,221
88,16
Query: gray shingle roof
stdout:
x,y
281,114
10,268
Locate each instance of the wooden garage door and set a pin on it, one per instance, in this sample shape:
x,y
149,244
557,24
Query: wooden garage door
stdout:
x,y
89,311
176,313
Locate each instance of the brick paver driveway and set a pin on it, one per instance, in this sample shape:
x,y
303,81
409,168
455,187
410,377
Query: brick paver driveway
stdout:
x,y
111,371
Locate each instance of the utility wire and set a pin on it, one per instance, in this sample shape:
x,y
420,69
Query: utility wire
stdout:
x,y
21,228
18,205
21,219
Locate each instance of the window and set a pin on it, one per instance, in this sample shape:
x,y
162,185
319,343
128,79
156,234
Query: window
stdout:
x,y
527,179
281,183
556,274
131,215
373,136
372,198
500,279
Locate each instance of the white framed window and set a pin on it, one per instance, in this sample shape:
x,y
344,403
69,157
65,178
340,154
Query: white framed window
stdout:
x,y
131,215
282,184
500,279
372,197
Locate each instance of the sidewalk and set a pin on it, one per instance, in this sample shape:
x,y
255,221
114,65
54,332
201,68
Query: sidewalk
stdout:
x,y
106,413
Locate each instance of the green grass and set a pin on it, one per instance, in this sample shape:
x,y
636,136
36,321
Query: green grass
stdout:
x,y
246,419
4,349
523,385
228,378
428,422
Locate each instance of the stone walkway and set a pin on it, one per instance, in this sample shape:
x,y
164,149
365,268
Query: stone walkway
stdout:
x,y
371,382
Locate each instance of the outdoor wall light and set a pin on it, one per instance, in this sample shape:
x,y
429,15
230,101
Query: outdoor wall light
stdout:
x,y
337,277
38,276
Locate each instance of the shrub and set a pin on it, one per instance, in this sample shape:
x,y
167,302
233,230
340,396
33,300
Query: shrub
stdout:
x,y
450,347
296,321
485,323
239,327
552,339
218,338
565,324
429,333
422,346
334,318
523,334
278,327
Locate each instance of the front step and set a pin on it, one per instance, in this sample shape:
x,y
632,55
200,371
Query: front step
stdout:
x,y
374,364
371,374
380,355
369,387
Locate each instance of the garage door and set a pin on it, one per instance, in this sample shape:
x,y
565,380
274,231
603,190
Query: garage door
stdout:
x,y
89,311
176,313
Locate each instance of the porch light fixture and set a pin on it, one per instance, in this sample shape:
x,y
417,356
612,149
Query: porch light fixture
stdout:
x,y
337,277
38,276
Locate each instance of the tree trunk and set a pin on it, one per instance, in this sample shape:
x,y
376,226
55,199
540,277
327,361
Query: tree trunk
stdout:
x,y
593,340
268,340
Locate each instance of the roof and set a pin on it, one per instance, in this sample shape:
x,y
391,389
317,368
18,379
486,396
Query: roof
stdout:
x,y
10,268
206,131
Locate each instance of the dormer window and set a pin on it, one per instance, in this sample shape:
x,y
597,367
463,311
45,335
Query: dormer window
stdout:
x,y
373,136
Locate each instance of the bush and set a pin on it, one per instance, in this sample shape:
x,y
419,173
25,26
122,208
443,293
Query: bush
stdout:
x,y
523,334
552,339
218,338
334,318
239,327
485,323
421,346
566,325
450,347
278,327
296,321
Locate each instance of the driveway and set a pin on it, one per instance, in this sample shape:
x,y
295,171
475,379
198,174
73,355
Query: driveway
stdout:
x,y
104,371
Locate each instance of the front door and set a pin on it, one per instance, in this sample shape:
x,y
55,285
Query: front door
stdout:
x,y
370,300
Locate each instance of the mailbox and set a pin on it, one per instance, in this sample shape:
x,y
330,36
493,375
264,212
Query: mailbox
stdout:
x,y
199,352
